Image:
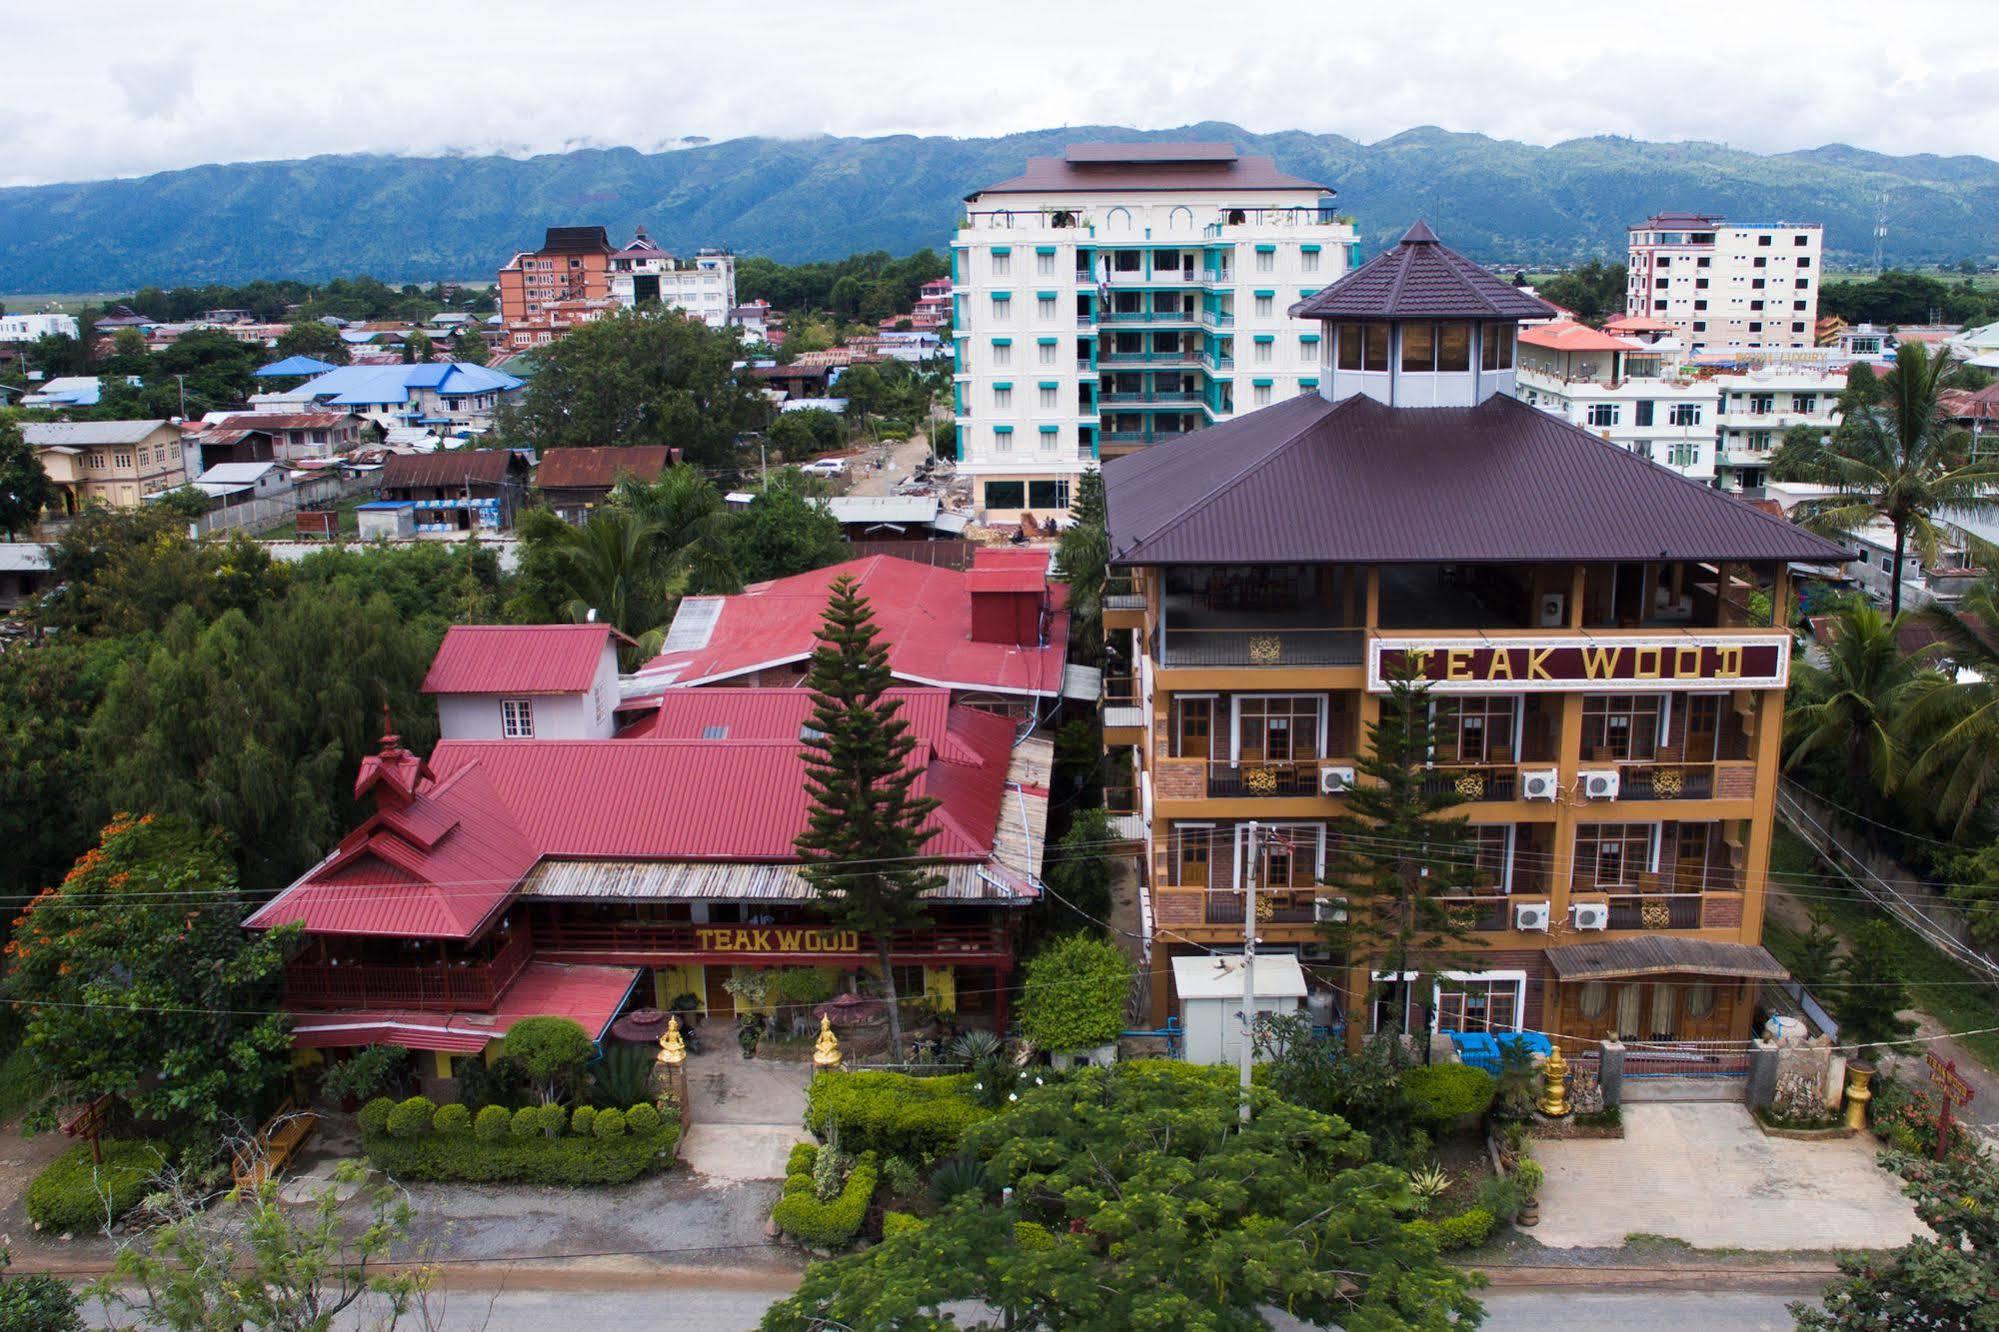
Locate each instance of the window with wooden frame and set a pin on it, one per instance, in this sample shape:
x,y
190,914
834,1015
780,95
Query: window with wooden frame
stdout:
x,y
1622,727
1494,843
1193,717
1613,855
1475,730
1191,847
1474,1002
1278,728
1289,855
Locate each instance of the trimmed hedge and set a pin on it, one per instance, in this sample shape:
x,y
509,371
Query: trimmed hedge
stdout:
x,y
1466,1230
374,1116
1442,1094
899,1223
411,1119
610,1124
583,1120
893,1113
503,1148
452,1118
68,1196
801,1215
642,1118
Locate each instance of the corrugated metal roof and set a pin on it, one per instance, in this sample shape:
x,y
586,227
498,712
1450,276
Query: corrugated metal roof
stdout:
x,y
600,468
1421,278
370,385
591,996
517,659
1654,954
739,881
1308,481
293,365
906,509
86,433
1566,335
458,467
924,615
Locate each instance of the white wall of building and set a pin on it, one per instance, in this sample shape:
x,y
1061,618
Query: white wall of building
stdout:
x,y
1747,287
589,715
28,327
1043,393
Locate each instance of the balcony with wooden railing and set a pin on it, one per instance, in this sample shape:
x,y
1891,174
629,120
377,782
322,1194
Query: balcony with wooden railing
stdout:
x,y
1210,907
1691,900
1472,781
463,984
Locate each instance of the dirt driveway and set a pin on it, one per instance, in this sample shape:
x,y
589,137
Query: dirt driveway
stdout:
x,y
1706,1175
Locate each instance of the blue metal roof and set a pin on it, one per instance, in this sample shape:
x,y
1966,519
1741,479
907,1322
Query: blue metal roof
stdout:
x,y
294,365
368,385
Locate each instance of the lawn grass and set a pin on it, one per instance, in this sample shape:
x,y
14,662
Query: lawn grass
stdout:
x,y
1947,990
350,521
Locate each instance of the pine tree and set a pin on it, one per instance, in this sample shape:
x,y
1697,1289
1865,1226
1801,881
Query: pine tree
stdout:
x,y
865,830
1396,854
1868,994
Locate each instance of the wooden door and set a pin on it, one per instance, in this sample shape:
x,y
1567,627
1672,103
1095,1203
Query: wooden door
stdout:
x,y
1192,849
1703,727
721,1004
1196,723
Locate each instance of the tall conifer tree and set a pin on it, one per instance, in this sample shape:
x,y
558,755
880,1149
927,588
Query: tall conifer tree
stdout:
x,y
865,833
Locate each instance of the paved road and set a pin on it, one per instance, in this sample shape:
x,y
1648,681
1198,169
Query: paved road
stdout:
x,y
712,1309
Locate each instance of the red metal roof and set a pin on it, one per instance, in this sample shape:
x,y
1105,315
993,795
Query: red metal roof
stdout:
x,y
1563,336
453,838
439,866
517,659
924,614
590,996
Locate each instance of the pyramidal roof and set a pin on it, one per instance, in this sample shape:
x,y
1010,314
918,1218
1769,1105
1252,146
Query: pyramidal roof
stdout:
x,y
1421,278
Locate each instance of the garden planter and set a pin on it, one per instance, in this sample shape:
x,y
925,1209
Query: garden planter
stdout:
x,y
1095,1056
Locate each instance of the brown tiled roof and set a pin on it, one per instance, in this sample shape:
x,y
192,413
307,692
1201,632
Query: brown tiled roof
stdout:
x,y
484,466
1150,166
576,240
1421,278
288,421
600,468
1308,481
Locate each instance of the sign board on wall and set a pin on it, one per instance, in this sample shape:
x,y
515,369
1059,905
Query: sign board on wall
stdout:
x,y
775,939
1629,664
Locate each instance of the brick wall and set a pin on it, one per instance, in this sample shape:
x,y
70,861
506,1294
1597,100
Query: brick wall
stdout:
x,y
1180,780
1735,783
1722,913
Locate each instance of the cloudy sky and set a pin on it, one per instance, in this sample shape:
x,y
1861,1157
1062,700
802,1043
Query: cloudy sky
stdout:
x,y
112,88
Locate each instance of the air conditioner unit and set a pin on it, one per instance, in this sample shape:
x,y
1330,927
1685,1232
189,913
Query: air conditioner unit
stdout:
x,y
1329,911
1599,783
1554,610
1335,781
1540,783
1591,915
1531,916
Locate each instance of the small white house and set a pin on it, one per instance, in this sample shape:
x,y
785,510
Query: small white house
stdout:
x,y
526,682
1211,1012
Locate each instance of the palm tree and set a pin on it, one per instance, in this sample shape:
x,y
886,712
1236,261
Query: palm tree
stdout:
x,y
690,527
1851,708
610,569
1961,719
1895,460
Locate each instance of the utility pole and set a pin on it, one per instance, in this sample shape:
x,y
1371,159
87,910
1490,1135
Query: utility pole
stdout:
x,y
1253,835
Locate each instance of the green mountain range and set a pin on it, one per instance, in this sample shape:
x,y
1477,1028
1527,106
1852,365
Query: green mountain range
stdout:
x,y
420,218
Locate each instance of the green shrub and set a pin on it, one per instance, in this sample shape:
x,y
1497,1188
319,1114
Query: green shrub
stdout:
x,y
610,1124
1441,1094
492,1123
799,1165
523,1158
526,1122
900,1174
893,1113
452,1118
411,1118
583,1120
69,1196
802,1216
553,1119
899,1223
960,1175
551,1050
642,1118
38,1302
1074,993
374,1116
1466,1230
1033,1236
1504,1198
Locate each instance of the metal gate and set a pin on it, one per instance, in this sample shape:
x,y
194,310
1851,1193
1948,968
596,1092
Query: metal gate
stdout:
x,y
1717,1060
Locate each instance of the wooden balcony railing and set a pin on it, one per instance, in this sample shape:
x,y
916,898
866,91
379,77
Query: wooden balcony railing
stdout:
x,y
1656,911
1219,906
1672,779
445,987
1484,912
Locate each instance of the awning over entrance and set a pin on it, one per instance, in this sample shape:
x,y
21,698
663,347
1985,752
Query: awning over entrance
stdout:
x,y
1651,955
590,995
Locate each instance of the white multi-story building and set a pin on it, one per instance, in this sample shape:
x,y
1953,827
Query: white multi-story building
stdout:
x,y
1125,294
1758,406
705,286
1747,286
1632,393
28,327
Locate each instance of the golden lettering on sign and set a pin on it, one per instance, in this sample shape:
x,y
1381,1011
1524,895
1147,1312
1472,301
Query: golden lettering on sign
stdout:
x,y
1729,666
1600,662
775,939
1537,663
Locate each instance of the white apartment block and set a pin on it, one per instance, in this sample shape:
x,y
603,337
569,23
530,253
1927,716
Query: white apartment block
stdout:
x,y
1634,394
1760,405
704,286
1742,287
1126,294
29,327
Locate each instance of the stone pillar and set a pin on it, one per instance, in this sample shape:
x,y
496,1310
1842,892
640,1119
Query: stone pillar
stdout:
x,y
1762,1090
1610,1073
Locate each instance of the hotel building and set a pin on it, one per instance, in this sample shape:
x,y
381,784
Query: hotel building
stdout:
x,y
577,276
1123,295
1632,393
1748,286
1610,703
